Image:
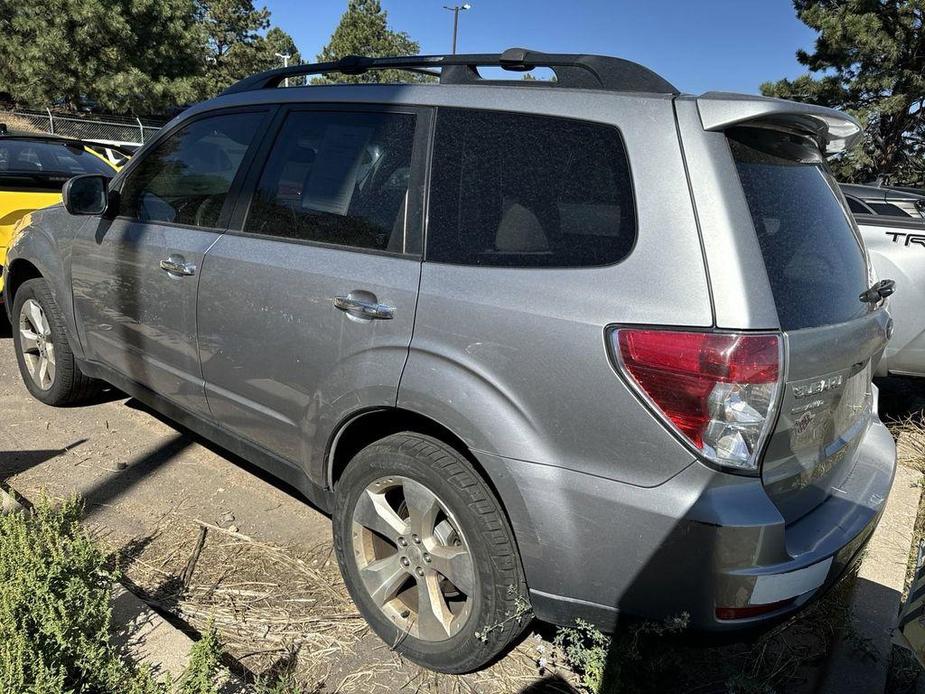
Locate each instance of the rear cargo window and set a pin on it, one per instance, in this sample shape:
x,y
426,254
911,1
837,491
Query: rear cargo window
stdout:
x,y
517,190
814,259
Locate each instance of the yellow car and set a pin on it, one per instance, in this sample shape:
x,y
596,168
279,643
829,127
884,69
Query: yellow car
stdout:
x,y
33,168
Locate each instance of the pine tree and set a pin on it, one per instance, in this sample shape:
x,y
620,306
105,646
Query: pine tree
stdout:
x,y
127,55
236,44
364,30
870,58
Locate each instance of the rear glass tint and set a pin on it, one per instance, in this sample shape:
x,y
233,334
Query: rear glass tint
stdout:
x,y
517,190
814,259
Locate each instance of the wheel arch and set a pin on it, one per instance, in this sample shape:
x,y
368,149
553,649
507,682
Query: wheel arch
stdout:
x,y
18,271
363,428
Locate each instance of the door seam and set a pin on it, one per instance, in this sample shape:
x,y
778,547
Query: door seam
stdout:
x,y
202,377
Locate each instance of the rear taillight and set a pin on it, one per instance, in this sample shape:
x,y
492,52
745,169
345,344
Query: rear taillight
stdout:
x,y
718,391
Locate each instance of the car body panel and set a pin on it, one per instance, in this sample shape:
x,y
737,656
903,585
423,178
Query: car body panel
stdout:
x,y
282,365
824,412
134,316
14,205
701,539
897,250
45,244
511,369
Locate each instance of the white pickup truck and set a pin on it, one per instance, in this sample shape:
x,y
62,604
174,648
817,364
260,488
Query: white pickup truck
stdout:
x,y
897,249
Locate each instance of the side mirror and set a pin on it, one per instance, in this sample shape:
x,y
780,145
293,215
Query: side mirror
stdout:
x,y
87,194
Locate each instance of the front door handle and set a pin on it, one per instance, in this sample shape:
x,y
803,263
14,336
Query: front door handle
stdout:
x,y
176,265
364,309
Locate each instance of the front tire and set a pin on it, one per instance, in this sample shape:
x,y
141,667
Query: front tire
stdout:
x,y
46,363
428,555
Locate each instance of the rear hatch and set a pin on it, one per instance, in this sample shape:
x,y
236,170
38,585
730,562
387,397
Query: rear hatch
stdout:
x,y
817,267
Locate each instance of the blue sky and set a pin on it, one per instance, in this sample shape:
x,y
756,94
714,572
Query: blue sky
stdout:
x,y
699,45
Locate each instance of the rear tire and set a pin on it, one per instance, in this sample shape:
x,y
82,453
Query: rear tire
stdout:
x,y
465,533
46,363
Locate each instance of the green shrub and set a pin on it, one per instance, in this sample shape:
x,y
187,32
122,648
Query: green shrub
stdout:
x,y
201,676
585,650
55,609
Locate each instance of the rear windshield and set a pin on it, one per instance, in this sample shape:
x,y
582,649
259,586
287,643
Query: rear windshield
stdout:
x,y
38,158
813,255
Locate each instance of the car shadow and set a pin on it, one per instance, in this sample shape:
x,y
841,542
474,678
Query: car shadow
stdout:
x,y
901,397
226,454
13,463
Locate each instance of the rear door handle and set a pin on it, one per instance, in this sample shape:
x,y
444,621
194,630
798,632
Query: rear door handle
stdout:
x,y
176,265
364,309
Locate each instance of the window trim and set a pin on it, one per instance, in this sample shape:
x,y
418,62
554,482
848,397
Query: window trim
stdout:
x,y
118,184
417,186
559,268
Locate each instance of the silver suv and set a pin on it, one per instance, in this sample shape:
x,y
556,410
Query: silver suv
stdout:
x,y
588,347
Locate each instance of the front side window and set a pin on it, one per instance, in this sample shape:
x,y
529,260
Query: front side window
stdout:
x,y
185,179
519,190
337,178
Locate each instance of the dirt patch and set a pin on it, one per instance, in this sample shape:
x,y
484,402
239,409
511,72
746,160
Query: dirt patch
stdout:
x,y
285,610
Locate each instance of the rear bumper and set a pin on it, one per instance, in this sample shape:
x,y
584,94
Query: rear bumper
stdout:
x,y
703,540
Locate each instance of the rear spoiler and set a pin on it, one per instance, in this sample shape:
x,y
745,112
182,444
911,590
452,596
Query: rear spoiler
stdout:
x,y
834,131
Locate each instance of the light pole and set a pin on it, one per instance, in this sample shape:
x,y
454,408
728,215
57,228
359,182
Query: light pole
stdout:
x,y
285,58
455,9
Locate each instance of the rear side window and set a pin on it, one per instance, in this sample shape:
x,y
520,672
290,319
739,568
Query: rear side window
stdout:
x,y
186,177
337,178
518,190
813,255
857,207
888,209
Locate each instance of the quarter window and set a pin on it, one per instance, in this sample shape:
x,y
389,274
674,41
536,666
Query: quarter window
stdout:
x,y
519,190
186,178
337,178
888,209
857,207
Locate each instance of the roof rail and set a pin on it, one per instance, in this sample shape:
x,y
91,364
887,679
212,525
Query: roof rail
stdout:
x,y
571,70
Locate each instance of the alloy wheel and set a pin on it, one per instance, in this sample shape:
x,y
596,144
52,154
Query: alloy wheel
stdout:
x,y
35,340
413,560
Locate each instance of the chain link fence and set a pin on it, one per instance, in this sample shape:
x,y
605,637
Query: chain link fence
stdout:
x,y
115,130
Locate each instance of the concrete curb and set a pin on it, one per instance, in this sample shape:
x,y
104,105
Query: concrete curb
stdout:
x,y
146,637
860,657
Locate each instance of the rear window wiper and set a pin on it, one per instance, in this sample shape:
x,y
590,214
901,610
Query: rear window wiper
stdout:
x,y
878,291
